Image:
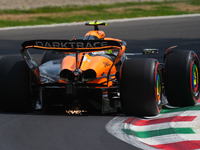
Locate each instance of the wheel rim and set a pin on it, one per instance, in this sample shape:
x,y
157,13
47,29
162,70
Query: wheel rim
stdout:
x,y
195,78
158,92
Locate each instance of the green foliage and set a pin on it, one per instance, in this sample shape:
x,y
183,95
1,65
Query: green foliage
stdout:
x,y
97,12
194,2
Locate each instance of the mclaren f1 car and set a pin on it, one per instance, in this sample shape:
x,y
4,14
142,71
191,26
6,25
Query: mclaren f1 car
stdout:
x,y
93,73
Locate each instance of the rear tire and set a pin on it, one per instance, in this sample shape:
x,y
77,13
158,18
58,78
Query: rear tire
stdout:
x,y
139,87
14,85
181,78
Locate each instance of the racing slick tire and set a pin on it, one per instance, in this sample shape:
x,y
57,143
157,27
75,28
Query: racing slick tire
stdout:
x,y
140,87
14,85
47,56
181,78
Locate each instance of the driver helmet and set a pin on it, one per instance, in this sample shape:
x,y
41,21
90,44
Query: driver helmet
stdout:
x,y
94,35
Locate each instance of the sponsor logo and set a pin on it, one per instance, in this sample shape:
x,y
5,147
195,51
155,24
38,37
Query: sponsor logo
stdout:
x,y
71,44
106,64
86,59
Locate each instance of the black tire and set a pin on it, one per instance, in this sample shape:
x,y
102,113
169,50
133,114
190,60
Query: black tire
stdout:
x,y
138,87
180,88
14,85
47,56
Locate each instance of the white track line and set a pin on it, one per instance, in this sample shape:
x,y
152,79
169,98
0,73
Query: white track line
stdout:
x,y
108,21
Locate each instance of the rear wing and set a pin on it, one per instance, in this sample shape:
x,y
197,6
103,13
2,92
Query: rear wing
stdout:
x,y
72,46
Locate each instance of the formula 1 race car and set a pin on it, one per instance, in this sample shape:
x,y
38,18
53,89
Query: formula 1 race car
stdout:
x,y
93,73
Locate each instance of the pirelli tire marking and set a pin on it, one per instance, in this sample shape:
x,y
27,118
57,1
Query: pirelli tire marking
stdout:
x,y
177,128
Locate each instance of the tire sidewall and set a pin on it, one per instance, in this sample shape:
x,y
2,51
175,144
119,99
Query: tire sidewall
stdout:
x,y
138,87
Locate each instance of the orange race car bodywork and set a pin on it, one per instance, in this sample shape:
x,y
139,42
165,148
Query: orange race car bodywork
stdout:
x,y
92,73
88,74
101,66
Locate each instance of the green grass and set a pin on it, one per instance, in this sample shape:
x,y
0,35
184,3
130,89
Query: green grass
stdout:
x,y
194,2
97,12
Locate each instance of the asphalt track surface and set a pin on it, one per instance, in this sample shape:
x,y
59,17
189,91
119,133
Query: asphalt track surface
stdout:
x,y
59,131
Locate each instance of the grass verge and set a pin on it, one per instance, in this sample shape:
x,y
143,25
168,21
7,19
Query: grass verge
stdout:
x,y
66,14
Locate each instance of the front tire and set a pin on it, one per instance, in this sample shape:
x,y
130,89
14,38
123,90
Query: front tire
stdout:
x,y
181,78
140,87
